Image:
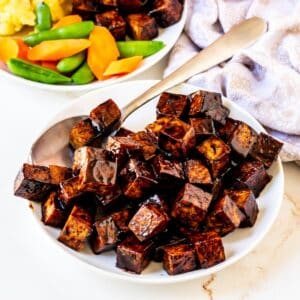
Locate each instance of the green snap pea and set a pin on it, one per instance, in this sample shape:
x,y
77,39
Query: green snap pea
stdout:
x,y
43,17
70,64
83,75
74,31
139,48
33,72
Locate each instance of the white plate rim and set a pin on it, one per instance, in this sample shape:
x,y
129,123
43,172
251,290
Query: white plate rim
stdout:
x,y
167,279
147,64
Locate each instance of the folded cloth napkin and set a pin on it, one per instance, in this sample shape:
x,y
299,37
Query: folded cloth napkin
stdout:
x,y
265,78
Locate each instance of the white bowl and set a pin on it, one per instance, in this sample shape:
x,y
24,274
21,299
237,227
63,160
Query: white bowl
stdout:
x,y
168,35
237,244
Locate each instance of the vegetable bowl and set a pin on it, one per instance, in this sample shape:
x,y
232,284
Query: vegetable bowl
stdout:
x,y
127,58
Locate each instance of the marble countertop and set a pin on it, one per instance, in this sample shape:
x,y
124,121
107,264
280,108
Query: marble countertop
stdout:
x,y
31,267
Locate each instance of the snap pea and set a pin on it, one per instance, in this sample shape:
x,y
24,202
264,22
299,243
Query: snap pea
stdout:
x,y
33,72
70,64
83,75
43,17
74,31
139,48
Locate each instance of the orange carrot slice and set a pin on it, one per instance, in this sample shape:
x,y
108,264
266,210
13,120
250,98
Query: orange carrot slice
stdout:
x,y
50,65
8,49
23,49
123,66
57,49
67,20
102,52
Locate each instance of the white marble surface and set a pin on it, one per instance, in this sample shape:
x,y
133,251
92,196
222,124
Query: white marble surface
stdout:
x,y
31,267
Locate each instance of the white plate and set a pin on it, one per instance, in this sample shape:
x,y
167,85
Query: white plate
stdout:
x,y
168,35
237,244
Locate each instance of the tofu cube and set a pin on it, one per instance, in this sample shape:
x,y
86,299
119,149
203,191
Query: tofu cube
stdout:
x,y
59,174
106,117
266,149
191,205
208,104
179,259
250,174
177,138
216,154
224,131
137,179
69,190
172,105
83,133
242,139
86,9
156,127
245,201
203,127
114,22
225,216
52,212
141,27
209,249
130,6
166,12
134,256
109,195
168,170
122,218
97,175
148,221
33,182
197,173
77,228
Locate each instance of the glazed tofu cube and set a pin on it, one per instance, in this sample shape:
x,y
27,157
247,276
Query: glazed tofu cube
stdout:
x,y
179,258
167,170
114,22
97,175
134,256
105,235
225,216
83,133
77,228
146,143
197,173
123,132
137,179
208,104
245,201
172,105
177,138
224,131
156,127
86,9
242,139
159,200
109,195
122,218
266,149
32,182
252,175
216,154
166,12
59,174
209,249
203,127
70,189
191,205
52,212
141,27
130,6
148,221
84,155
106,117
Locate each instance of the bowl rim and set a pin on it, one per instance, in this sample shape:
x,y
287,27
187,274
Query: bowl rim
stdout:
x,y
136,278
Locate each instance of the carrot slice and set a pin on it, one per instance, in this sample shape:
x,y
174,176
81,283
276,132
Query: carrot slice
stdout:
x,y
123,66
67,20
57,49
50,65
102,52
9,48
23,49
